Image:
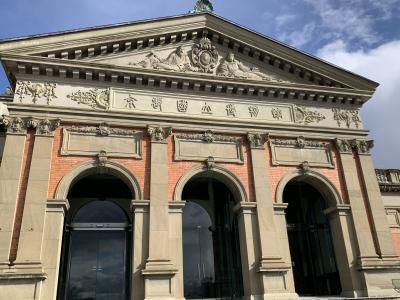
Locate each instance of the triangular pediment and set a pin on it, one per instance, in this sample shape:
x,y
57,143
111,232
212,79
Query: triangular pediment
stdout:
x,y
193,46
199,57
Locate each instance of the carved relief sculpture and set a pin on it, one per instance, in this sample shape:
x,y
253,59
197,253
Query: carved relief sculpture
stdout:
x,y
159,134
344,146
156,103
17,125
231,110
130,102
253,111
47,127
36,90
182,105
95,98
306,116
103,130
205,56
347,117
276,113
231,67
362,146
206,109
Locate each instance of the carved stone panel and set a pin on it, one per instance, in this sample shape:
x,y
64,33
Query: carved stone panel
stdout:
x,y
91,141
200,147
293,152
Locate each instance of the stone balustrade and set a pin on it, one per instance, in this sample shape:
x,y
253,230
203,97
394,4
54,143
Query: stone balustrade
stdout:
x,y
388,179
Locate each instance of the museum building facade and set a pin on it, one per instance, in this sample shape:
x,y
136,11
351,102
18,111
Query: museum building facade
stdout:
x,y
187,157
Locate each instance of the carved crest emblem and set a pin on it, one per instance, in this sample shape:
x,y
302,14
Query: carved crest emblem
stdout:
x,y
205,56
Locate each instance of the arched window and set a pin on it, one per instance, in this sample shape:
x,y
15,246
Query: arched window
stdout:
x,y
211,252
96,254
310,240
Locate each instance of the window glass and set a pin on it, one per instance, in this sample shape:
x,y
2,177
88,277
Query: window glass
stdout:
x,y
100,212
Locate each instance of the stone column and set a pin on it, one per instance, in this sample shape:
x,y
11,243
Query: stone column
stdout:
x,y
10,175
272,266
380,225
29,255
140,246
249,249
159,270
176,244
52,243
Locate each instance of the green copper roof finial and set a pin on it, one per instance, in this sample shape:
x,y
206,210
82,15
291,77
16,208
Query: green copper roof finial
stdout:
x,y
203,6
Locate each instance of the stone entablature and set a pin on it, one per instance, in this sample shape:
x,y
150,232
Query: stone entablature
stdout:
x,y
232,109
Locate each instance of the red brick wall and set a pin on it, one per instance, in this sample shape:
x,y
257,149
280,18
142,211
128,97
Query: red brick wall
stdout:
x,y
61,165
396,235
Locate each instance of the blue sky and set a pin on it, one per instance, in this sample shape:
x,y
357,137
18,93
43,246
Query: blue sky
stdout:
x,y
360,35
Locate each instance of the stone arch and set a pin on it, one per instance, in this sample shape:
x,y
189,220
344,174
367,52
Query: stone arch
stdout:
x,y
93,167
217,172
317,180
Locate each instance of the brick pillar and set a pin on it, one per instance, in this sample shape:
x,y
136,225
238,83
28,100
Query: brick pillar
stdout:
x,y
159,270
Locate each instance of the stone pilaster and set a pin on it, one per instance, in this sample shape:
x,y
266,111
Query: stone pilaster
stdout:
x,y
10,176
140,247
29,255
52,244
176,244
380,226
272,266
159,270
366,248
375,270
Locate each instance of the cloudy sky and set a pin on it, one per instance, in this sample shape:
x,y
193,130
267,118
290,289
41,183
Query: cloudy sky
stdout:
x,y
360,35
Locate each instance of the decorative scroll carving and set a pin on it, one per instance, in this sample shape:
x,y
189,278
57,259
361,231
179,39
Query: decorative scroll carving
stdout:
x,y
347,117
103,130
159,134
306,116
17,125
257,140
205,56
47,127
300,142
36,91
95,98
208,137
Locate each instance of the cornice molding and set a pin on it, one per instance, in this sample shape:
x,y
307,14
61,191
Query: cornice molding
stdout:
x,y
52,70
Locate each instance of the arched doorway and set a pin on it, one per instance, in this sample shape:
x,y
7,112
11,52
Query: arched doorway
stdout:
x,y
96,246
311,248
211,250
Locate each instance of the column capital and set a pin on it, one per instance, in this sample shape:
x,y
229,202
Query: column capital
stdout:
x,y
257,140
19,126
362,147
344,146
159,134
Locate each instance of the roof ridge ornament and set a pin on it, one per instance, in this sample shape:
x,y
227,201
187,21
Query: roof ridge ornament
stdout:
x,y
202,6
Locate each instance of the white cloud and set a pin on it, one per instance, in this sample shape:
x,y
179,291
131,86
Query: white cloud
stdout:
x,y
283,19
381,114
299,38
348,21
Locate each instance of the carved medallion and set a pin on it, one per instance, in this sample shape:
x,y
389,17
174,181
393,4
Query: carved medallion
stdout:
x,y
182,105
205,56
95,98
